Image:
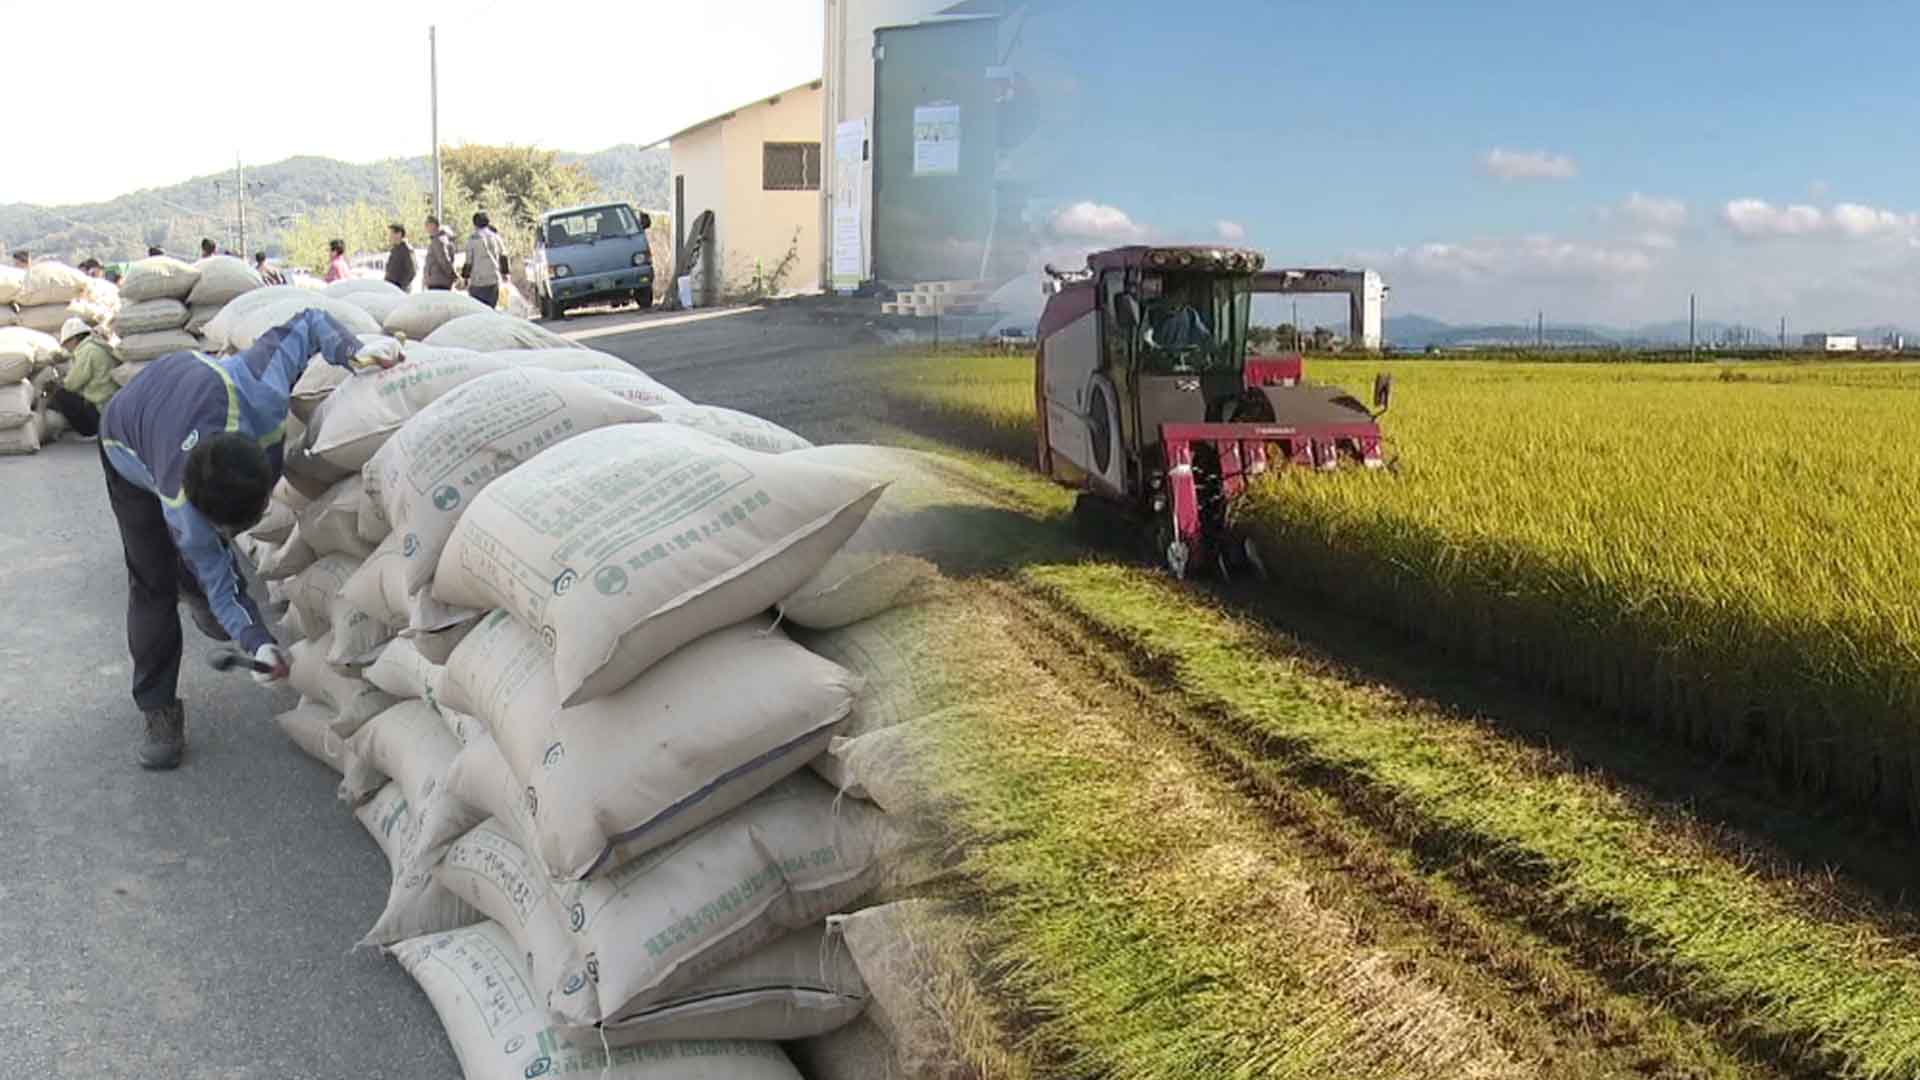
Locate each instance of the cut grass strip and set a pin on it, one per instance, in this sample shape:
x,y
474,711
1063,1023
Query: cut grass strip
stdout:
x,y
1146,917
1832,995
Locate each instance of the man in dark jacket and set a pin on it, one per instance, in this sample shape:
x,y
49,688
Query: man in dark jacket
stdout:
x,y
399,259
191,456
439,268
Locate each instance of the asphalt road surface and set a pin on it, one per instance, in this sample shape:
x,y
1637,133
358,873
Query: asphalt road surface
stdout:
x,y
199,924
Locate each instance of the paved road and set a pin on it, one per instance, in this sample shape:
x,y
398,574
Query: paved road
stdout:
x,y
198,925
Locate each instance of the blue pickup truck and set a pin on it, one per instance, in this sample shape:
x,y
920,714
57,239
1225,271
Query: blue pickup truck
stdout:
x,y
591,255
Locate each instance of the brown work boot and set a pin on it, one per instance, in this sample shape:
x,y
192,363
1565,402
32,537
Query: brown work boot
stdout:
x,y
166,737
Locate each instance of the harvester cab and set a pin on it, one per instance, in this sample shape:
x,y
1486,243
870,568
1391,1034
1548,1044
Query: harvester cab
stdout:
x,y
1148,402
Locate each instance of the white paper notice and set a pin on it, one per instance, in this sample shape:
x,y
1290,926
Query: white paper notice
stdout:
x,y
936,140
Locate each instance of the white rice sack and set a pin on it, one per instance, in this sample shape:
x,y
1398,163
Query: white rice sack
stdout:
x,y
489,331
780,863
310,726
407,743
288,559
354,701
697,734
150,316
669,534
16,406
157,277
12,281
362,287
124,373
136,347
313,590
199,315
416,904
48,282
276,525
216,330
478,783
330,524
45,318
239,331
422,313
24,351
799,985
20,439
431,469
371,406
101,293
404,673
500,1031
578,358
912,956
886,562
8,316
315,385
741,429
377,305
631,384
222,278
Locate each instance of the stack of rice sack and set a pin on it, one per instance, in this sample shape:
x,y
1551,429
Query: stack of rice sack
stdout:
x,y
27,359
537,639
223,279
41,297
153,313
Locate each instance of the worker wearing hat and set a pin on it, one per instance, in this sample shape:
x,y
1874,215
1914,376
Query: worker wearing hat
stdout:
x,y
89,384
192,449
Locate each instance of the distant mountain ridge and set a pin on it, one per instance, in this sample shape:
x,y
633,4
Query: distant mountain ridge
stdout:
x,y
177,216
1420,332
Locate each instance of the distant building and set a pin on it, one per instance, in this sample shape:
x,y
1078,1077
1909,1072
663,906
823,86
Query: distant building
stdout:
x,y
1831,342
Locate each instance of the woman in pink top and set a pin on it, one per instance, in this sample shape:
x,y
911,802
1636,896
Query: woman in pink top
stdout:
x,y
337,269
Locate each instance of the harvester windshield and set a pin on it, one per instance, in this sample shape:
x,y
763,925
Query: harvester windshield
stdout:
x,y
1194,322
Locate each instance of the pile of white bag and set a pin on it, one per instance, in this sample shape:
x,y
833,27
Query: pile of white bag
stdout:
x,y
166,306
47,293
29,361
539,607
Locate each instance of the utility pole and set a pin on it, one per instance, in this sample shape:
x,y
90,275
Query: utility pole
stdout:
x,y
240,202
1540,329
1296,326
1783,333
433,69
1690,325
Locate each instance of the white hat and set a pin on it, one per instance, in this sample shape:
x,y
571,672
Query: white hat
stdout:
x,y
74,327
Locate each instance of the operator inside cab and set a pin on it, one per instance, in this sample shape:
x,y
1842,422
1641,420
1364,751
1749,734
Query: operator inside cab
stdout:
x,y
1175,329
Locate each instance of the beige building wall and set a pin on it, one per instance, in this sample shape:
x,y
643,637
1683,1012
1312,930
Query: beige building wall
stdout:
x,y
722,163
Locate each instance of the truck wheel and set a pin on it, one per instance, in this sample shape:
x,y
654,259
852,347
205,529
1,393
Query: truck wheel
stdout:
x,y
644,298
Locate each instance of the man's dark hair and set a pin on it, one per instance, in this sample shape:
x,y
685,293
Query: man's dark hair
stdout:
x,y
433,221
229,479
259,257
338,247
20,255
155,251
206,246
88,264
480,220
399,228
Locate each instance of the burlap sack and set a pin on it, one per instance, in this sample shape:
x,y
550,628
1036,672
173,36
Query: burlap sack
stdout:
x,y
697,734
310,726
884,563
330,524
371,406
489,331
913,958
312,591
222,279
431,470
401,671
667,533
499,1031
134,348
24,351
238,330
149,317
354,701
799,985
16,405
49,282
23,439
572,359
277,525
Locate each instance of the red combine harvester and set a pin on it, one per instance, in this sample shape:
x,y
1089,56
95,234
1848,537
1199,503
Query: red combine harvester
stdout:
x,y
1149,404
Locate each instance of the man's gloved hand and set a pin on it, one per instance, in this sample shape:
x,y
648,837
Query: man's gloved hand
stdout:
x,y
276,656
382,354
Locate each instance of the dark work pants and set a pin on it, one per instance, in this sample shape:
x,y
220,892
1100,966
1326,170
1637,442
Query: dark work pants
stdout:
x,y
486,294
82,416
156,577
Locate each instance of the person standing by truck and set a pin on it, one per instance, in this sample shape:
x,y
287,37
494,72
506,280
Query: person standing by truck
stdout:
x,y
484,261
438,273
399,258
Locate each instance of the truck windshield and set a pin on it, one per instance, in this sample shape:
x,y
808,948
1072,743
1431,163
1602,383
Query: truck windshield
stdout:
x,y
1196,323
599,223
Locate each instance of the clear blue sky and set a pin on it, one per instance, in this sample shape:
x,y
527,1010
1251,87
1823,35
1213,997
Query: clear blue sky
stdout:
x,y
1494,158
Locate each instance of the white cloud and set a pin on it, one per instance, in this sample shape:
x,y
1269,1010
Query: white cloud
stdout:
x,y
1231,231
1530,258
1818,189
1655,240
1527,165
1758,218
1086,220
1656,211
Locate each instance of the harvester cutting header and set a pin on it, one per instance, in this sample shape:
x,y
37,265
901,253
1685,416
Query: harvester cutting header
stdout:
x,y
1148,402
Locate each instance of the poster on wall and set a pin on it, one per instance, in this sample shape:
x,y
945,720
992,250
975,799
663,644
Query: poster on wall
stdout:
x,y
936,139
849,150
